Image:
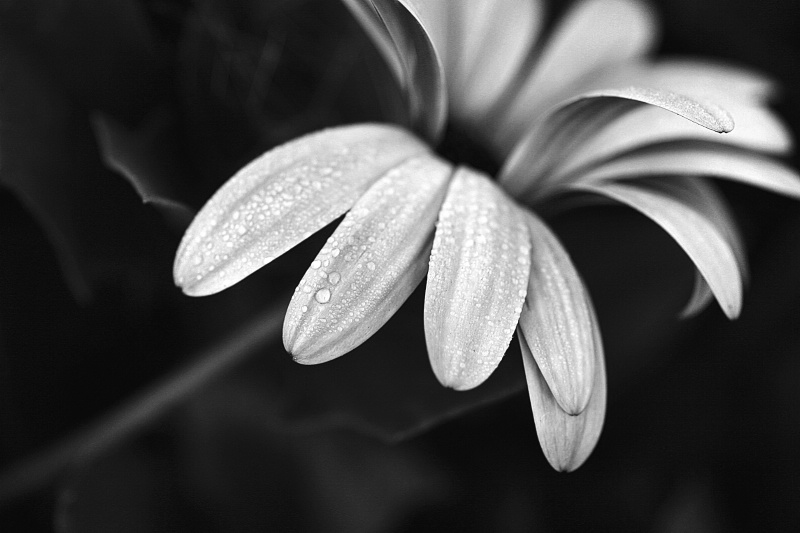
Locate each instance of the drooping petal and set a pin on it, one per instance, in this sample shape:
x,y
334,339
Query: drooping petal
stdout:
x,y
593,36
705,245
566,440
704,198
482,46
370,265
281,198
477,280
757,128
567,126
557,322
681,159
396,29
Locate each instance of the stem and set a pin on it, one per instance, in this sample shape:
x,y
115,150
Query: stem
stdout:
x,y
39,470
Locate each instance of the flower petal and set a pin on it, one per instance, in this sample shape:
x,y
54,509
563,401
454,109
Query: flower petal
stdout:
x,y
666,204
556,321
696,78
592,36
567,126
757,128
371,264
566,440
476,281
396,29
482,46
699,159
282,197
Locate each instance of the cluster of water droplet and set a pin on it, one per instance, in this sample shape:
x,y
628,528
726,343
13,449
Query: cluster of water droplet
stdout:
x,y
281,198
477,280
371,263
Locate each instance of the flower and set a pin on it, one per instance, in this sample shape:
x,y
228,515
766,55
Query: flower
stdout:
x,y
584,110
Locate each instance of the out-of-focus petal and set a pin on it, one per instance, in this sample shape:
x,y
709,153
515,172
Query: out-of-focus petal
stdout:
x,y
566,440
527,172
593,36
281,198
706,246
557,321
681,159
482,45
477,280
757,128
396,29
370,265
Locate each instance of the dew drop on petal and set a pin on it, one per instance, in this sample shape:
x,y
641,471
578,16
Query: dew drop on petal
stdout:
x,y
334,277
316,264
323,296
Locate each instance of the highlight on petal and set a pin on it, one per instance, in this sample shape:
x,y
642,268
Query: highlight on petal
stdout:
x,y
477,280
682,159
699,238
281,198
396,29
567,126
566,440
370,265
482,46
556,321
593,36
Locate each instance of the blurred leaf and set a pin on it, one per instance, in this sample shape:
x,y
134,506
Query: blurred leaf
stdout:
x,y
148,158
48,158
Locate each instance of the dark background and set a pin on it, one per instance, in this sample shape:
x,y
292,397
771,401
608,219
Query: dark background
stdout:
x,y
703,421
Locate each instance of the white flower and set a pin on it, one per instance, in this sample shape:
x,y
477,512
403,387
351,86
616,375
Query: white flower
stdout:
x,y
583,110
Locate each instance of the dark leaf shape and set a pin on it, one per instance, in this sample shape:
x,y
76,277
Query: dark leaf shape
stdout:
x,y
148,158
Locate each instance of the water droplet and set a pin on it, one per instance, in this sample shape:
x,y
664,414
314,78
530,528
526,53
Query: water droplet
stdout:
x,y
198,260
304,308
316,264
334,277
371,265
323,296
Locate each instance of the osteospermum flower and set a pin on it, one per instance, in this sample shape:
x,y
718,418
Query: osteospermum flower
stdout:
x,y
582,109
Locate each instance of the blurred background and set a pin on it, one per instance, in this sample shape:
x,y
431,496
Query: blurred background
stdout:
x,y
106,104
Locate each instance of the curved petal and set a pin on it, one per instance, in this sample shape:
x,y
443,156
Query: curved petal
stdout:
x,y
566,440
476,281
682,159
594,35
699,78
482,46
396,29
282,197
556,321
566,127
370,265
667,205
757,128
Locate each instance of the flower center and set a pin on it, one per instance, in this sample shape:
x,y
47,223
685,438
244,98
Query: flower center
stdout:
x,y
460,148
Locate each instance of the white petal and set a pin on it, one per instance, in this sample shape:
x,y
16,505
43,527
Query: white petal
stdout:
x,y
757,128
556,321
699,238
566,440
477,280
594,35
682,159
397,31
370,265
482,45
528,171
281,198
